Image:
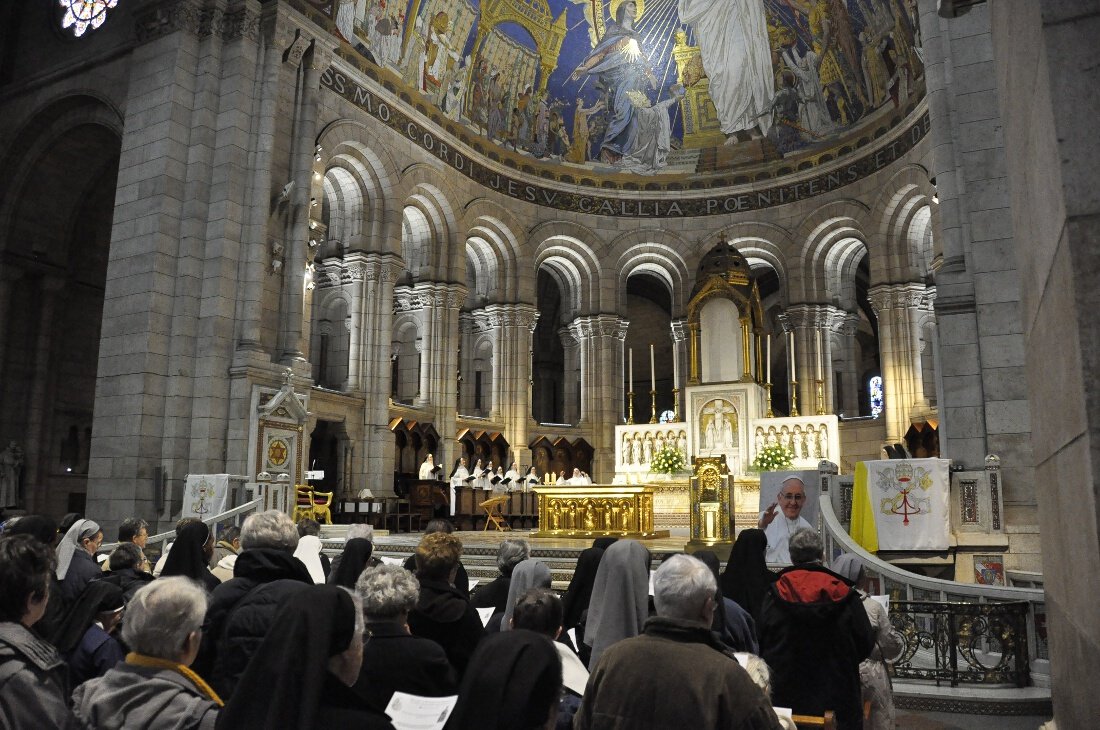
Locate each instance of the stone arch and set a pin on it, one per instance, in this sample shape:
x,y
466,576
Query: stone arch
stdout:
x,y
657,252
354,148
902,214
330,341
422,187
824,244
405,348
492,250
561,248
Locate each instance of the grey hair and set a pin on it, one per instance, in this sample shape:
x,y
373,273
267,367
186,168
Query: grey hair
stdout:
x,y
270,529
361,531
510,554
759,672
162,615
681,587
806,546
387,591
126,555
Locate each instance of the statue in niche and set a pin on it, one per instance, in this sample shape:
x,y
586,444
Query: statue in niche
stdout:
x,y
822,443
648,447
798,443
628,457
682,444
11,469
760,439
718,429
635,451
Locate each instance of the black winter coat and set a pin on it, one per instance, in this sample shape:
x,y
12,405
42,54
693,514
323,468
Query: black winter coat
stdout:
x,y
396,661
241,611
443,615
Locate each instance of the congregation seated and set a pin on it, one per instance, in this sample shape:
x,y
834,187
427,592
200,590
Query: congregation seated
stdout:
x,y
746,578
814,633
302,673
527,575
358,531
442,612
620,597
190,556
33,682
134,531
45,530
126,571
225,554
84,637
393,659
579,594
76,564
494,594
180,524
462,579
350,564
733,624
540,610
154,687
309,550
513,683
242,609
675,674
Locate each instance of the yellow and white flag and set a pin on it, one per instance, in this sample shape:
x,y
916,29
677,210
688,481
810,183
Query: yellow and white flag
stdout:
x,y
901,504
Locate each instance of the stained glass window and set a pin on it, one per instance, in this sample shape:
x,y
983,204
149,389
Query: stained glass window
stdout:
x,y
83,14
875,388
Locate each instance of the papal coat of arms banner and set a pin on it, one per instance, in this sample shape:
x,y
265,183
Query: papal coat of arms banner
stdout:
x,y
901,504
205,495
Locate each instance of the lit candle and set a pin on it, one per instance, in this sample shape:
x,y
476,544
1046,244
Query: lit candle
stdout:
x,y
652,370
632,370
794,375
820,353
769,358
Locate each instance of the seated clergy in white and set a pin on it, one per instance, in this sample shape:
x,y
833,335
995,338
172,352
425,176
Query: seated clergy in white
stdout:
x,y
779,527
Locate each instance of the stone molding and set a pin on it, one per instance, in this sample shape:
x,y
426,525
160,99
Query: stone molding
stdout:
x,y
158,19
912,295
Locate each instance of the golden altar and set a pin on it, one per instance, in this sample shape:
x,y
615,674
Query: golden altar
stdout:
x,y
597,510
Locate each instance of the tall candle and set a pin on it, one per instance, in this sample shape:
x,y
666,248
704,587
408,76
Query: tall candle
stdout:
x,y
675,364
820,354
631,369
769,353
794,375
652,370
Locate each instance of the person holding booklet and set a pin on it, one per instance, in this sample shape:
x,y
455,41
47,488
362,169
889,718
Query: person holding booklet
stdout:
x,y
460,477
512,478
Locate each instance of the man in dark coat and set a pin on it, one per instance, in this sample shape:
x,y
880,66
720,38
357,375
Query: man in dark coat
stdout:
x,y
813,634
495,593
676,674
242,609
33,691
126,573
442,612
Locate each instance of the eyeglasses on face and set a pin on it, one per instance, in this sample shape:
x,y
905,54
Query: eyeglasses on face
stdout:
x,y
794,497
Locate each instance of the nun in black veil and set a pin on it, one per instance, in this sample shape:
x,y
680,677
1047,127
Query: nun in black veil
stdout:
x,y
190,555
513,682
746,577
301,675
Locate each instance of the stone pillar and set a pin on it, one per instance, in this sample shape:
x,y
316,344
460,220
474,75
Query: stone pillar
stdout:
x,y
899,308
601,337
679,335
37,446
572,376
844,326
806,320
1043,61
445,303
512,375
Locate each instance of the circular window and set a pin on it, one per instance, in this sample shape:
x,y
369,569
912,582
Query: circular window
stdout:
x,y
80,15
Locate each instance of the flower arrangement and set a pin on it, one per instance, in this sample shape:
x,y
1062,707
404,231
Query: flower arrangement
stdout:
x,y
668,460
773,457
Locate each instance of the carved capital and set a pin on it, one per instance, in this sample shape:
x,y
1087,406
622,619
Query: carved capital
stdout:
x,y
158,19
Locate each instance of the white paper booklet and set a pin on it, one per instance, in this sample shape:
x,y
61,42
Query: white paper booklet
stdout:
x,y
412,712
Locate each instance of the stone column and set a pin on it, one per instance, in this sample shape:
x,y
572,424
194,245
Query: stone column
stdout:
x,y
898,308
37,445
512,373
572,376
446,302
807,320
679,335
600,338
843,334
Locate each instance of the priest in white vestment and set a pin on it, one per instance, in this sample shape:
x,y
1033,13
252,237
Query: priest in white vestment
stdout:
x,y
459,475
732,36
779,524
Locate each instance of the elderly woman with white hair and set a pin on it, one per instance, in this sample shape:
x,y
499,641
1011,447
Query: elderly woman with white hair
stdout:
x,y
154,687
393,659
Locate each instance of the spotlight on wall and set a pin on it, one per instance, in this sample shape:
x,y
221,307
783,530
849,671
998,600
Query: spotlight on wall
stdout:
x,y
317,153
309,277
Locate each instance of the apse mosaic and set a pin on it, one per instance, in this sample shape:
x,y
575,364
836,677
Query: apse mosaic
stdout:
x,y
645,87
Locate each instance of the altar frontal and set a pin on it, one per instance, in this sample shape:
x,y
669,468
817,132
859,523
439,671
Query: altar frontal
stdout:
x,y
597,510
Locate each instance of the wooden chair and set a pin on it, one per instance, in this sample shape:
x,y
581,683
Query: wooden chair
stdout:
x,y
303,502
322,507
826,721
493,516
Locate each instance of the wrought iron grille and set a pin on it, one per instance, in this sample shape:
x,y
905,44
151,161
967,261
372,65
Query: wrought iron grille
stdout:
x,y
969,643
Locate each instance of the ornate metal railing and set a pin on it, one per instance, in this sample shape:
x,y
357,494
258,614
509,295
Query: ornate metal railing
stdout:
x,y
976,643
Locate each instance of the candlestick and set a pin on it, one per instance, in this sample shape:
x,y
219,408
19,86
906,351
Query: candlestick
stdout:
x,y
676,404
820,397
653,405
631,368
652,370
630,400
791,348
769,359
794,399
768,390
820,354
